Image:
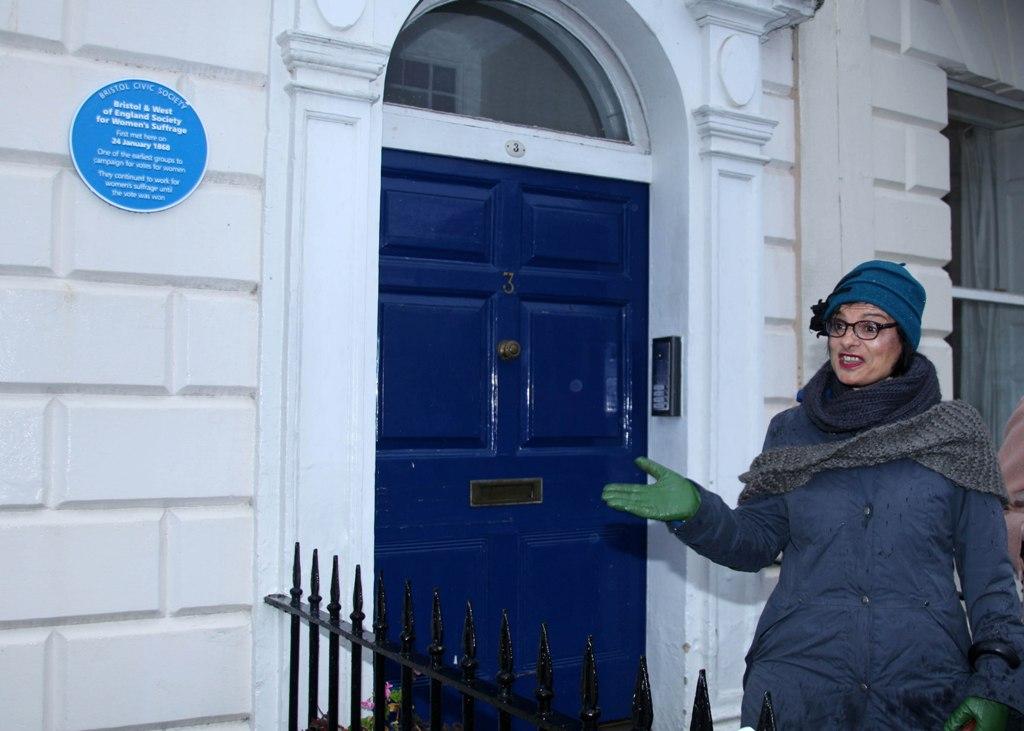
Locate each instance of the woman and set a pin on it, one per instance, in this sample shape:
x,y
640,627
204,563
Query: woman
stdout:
x,y
873,491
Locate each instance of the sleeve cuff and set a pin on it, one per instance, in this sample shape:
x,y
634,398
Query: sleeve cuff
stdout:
x,y
995,681
696,525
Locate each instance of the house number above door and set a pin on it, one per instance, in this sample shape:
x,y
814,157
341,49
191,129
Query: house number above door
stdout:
x,y
515,148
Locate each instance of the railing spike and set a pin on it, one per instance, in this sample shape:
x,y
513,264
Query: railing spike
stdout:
x,y
766,721
313,690
436,648
334,607
356,653
408,639
408,623
505,676
380,611
293,647
314,584
590,711
380,632
499,696
545,692
700,718
357,615
333,657
643,706
296,590
468,663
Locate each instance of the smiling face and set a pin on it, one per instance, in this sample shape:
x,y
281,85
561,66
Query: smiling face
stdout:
x,y
859,362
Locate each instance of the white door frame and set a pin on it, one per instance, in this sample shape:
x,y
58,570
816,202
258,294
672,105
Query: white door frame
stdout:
x,y
319,295
421,130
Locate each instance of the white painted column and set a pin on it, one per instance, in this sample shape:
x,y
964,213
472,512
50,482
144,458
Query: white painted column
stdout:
x,y
723,605
335,146
318,362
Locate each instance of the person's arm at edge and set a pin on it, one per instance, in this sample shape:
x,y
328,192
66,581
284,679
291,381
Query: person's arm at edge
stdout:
x,y
993,606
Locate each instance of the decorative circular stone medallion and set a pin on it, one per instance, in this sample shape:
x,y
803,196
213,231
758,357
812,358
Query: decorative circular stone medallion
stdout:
x,y
341,13
737,68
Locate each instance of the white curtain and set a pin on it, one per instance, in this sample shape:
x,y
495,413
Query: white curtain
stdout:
x,y
989,334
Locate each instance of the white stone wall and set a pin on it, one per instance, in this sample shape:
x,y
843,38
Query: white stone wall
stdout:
x,y
128,353
874,164
910,165
781,319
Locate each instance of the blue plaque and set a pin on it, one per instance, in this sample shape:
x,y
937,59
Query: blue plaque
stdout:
x,y
139,145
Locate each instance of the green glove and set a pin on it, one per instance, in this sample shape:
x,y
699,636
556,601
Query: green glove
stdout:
x,y
986,715
672,497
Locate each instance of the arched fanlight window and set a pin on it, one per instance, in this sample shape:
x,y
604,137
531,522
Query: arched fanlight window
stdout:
x,y
503,61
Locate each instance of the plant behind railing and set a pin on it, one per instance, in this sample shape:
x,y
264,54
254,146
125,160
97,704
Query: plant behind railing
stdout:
x,y
463,679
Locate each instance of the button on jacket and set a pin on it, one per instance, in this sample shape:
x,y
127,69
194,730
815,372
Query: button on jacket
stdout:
x,y
865,629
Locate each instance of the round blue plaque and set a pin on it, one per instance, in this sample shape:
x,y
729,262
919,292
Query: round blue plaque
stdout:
x,y
139,145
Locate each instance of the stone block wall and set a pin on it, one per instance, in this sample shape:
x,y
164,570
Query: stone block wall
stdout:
x,y
128,358
910,164
781,319
874,163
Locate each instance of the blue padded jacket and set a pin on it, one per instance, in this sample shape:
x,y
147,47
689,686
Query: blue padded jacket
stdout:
x,y
865,629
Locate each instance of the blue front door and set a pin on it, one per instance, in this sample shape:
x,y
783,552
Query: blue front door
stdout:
x,y
490,464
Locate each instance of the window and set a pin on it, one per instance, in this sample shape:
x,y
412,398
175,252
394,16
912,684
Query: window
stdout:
x,y
423,84
502,61
986,144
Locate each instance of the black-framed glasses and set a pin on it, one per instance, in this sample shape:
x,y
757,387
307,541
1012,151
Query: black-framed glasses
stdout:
x,y
863,329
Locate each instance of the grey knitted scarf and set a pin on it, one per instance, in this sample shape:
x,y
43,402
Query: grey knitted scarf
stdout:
x,y
949,438
836,408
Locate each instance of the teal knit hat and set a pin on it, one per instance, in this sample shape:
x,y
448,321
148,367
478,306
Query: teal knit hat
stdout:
x,y
883,283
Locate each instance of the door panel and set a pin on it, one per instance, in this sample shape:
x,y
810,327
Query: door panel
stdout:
x,y
553,226
438,219
471,254
574,375
433,400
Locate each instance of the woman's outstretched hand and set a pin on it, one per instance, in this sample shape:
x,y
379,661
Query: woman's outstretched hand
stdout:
x,y
671,497
978,714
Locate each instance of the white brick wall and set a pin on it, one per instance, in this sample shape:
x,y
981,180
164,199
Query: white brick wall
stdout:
x,y
195,534
23,668
26,206
232,113
128,351
885,64
54,332
911,225
905,86
100,28
22,451
164,669
136,448
219,341
210,238
782,321
24,22
69,565
911,166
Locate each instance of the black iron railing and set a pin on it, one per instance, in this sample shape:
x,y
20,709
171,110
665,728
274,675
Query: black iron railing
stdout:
x,y
463,679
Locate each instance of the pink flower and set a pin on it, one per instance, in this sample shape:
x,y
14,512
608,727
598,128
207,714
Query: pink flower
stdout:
x,y
367,705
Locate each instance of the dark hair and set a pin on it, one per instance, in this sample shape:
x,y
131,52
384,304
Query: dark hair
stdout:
x,y
906,355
